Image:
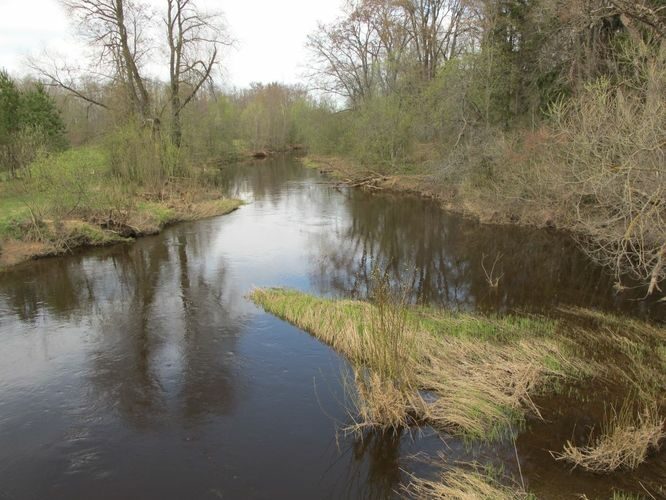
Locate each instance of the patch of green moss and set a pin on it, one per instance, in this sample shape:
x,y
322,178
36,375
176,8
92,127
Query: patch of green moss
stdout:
x,y
158,213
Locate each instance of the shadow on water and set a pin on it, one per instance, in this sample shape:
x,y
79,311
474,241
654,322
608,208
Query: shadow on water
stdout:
x,y
143,368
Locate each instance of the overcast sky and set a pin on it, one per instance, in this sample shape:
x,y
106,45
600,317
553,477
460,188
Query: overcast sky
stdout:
x,y
270,35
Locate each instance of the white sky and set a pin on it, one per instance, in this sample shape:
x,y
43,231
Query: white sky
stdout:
x,y
270,35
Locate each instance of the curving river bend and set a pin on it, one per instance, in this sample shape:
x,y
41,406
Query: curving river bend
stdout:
x,y
141,371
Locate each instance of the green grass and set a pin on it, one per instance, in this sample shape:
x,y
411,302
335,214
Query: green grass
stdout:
x,y
489,328
226,205
12,204
158,212
13,210
52,187
61,179
62,200
92,161
79,233
433,321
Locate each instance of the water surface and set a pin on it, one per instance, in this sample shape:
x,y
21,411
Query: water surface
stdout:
x,y
142,371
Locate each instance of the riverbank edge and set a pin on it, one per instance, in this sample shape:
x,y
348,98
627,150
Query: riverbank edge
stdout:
x,y
450,197
578,344
366,335
78,233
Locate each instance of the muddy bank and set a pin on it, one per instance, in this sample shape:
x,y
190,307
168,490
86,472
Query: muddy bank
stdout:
x,y
451,197
48,238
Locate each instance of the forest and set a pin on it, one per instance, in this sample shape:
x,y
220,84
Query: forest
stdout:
x,y
515,111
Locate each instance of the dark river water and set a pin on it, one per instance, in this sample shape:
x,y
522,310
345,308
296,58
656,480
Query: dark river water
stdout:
x,y
142,371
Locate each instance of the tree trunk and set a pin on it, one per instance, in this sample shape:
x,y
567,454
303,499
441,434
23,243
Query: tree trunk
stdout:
x,y
176,127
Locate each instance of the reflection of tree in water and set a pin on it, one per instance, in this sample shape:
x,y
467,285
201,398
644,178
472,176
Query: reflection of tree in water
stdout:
x,y
59,287
374,465
439,256
123,373
170,305
209,338
161,322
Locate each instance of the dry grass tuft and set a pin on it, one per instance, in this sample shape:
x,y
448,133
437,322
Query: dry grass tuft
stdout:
x,y
459,484
379,403
485,387
624,442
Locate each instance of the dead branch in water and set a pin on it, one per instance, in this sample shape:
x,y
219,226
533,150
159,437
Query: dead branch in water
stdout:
x,y
493,281
368,182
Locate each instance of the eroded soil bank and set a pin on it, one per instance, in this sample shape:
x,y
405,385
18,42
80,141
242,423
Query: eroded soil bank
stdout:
x,y
30,239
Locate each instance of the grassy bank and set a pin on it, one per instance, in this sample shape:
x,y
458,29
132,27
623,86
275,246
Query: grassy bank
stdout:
x,y
477,376
461,373
72,199
453,197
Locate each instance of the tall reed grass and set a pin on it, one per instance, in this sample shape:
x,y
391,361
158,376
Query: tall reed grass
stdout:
x,y
405,372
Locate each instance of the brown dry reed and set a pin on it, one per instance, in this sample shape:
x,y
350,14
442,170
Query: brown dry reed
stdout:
x,y
624,441
459,373
463,484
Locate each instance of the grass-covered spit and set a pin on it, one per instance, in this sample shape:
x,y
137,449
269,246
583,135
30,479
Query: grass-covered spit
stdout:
x,y
475,375
464,373
73,199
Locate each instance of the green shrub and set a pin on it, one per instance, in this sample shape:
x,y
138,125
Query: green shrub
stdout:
x,y
137,156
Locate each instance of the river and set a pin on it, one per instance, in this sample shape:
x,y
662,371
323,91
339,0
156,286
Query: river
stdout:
x,y
142,371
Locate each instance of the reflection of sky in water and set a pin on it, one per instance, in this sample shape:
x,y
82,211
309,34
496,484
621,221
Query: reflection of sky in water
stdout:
x,y
145,366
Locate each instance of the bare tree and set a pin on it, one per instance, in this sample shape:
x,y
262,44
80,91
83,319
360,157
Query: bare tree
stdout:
x,y
362,53
193,38
387,21
69,79
434,26
370,47
346,54
116,29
